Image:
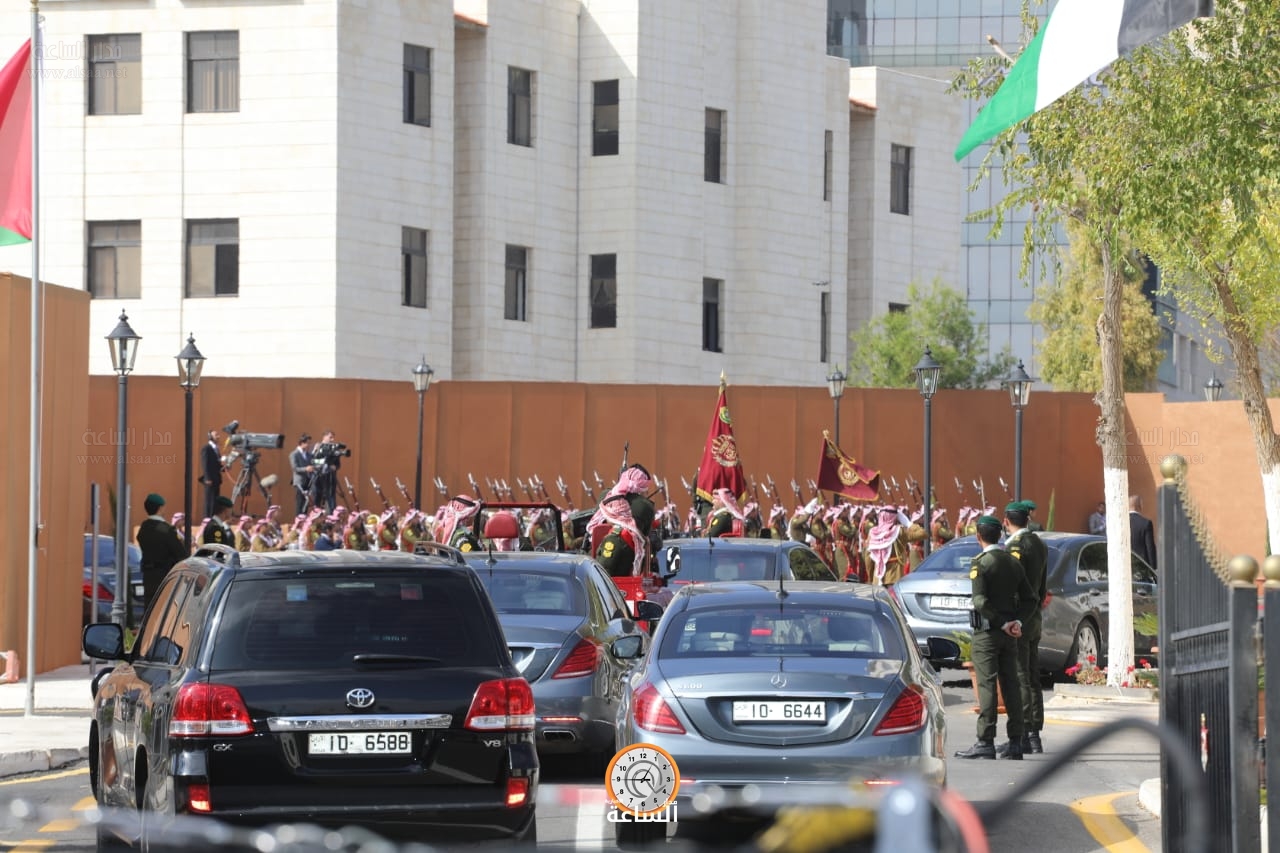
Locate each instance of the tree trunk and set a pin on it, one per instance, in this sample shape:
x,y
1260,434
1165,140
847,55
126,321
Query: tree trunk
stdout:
x,y
1115,471
1254,396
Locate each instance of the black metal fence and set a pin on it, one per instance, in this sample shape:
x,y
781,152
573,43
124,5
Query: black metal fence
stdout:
x,y
1209,688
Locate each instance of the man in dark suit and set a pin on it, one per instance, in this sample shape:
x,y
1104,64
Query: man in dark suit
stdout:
x,y
161,545
303,472
1141,532
211,472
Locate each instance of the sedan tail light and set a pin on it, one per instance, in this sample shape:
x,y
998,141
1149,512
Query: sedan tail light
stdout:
x,y
504,704
581,661
104,594
907,714
217,710
652,713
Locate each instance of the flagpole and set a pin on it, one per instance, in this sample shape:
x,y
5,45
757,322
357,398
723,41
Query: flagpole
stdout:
x,y
33,554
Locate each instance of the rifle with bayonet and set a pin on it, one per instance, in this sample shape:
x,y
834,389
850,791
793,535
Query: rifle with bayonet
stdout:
x,y
475,487
980,488
351,492
795,490
564,492
524,487
626,450
442,488
386,504
404,493
589,492
539,488
599,482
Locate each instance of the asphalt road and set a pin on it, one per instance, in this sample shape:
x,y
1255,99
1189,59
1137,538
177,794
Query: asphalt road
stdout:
x,y
1090,804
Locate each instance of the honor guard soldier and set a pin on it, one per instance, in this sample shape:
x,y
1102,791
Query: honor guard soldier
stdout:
x,y
1002,603
356,536
620,549
1030,551
261,538
1032,525
413,530
243,533
455,527
725,518
887,555
388,532
216,530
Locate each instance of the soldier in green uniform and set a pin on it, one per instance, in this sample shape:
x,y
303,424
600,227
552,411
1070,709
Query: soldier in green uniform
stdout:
x,y
724,510
1029,550
1002,602
161,546
217,531
619,548
1032,524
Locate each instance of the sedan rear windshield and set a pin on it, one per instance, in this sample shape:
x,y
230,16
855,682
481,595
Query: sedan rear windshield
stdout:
x,y
534,592
322,622
725,564
794,630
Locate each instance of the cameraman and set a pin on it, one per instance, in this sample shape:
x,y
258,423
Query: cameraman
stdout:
x,y
303,472
327,461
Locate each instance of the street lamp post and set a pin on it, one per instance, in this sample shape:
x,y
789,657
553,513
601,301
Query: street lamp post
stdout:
x,y
190,365
835,384
927,371
422,374
124,351
1019,384
1213,388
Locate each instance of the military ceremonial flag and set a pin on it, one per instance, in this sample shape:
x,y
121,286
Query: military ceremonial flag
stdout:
x,y
15,148
840,474
721,467
1080,38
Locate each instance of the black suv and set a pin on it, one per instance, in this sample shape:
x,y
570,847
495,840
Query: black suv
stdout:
x,y
328,688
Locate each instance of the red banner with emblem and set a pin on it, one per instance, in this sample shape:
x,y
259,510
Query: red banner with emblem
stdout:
x,y
721,466
840,474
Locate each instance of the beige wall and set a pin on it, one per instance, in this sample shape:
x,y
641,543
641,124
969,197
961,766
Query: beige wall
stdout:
x,y
62,493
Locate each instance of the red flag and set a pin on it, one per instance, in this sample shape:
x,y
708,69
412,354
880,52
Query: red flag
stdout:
x,y
721,468
842,475
15,148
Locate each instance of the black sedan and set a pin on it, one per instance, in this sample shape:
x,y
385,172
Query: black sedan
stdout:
x,y
571,637
107,579
731,558
936,597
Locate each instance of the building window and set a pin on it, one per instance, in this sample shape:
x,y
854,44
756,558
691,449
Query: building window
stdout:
x,y
712,293
115,260
900,180
515,302
827,163
213,257
604,291
520,107
604,117
897,308
115,75
413,262
824,326
714,156
417,85
213,72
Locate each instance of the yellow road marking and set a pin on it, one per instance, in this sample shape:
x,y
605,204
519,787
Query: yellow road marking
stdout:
x,y
33,845
27,780
1083,723
1102,822
86,803
62,824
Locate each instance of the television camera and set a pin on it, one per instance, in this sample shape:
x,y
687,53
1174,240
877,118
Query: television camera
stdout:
x,y
328,453
246,447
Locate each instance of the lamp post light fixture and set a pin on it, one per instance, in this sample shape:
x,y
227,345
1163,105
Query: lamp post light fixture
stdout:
x,y
190,366
835,384
422,375
123,341
1019,384
1213,388
927,371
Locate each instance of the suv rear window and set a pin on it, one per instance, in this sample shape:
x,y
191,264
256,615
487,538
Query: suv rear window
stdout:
x,y
315,622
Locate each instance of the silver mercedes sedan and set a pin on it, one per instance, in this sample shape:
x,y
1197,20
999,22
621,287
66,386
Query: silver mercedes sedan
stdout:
x,y
783,683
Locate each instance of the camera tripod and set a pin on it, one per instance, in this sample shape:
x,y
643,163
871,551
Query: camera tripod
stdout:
x,y
249,476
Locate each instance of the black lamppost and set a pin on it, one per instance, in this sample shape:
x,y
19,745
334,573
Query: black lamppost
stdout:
x,y
1019,384
835,384
124,351
927,371
1213,388
190,365
422,374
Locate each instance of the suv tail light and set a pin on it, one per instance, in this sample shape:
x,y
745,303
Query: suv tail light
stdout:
x,y
907,714
209,709
652,713
581,661
502,705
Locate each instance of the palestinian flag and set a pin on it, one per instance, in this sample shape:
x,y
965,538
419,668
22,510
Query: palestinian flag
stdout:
x,y
15,148
1081,38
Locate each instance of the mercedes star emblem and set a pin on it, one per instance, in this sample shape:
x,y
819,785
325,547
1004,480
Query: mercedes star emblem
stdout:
x,y
779,680
360,698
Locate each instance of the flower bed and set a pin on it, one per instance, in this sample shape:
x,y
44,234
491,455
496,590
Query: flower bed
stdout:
x,y
1089,673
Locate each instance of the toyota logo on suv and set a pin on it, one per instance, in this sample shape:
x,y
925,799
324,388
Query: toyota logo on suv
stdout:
x,y
360,698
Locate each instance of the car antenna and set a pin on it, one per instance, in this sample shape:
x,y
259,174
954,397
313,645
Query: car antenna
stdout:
x,y
491,561
782,592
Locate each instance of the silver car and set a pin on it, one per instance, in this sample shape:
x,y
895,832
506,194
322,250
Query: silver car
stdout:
x,y
814,685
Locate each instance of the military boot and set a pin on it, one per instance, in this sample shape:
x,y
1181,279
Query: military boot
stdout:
x,y
1002,751
1012,750
981,749
1032,743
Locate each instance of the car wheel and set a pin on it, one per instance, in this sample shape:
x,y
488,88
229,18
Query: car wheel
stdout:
x,y
1084,646
636,836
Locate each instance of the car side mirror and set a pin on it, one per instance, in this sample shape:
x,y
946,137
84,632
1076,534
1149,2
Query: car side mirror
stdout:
x,y
673,562
940,649
104,641
649,611
629,647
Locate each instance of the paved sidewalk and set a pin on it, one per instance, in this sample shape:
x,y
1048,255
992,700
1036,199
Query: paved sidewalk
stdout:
x,y
57,733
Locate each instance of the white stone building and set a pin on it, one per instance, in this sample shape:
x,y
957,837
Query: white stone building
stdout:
x,y
552,190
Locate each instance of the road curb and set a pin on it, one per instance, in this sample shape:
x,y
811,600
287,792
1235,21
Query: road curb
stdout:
x,y
1142,695
1149,796
39,760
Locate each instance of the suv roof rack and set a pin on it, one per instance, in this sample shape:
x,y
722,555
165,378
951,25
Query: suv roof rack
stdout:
x,y
230,556
427,548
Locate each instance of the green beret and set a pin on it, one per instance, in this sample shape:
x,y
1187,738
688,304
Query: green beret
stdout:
x,y
988,519
155,499
1016,506
1028,506
222,501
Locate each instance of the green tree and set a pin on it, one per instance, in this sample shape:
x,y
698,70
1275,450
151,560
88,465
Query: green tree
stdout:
x,y
884,352
1070,358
